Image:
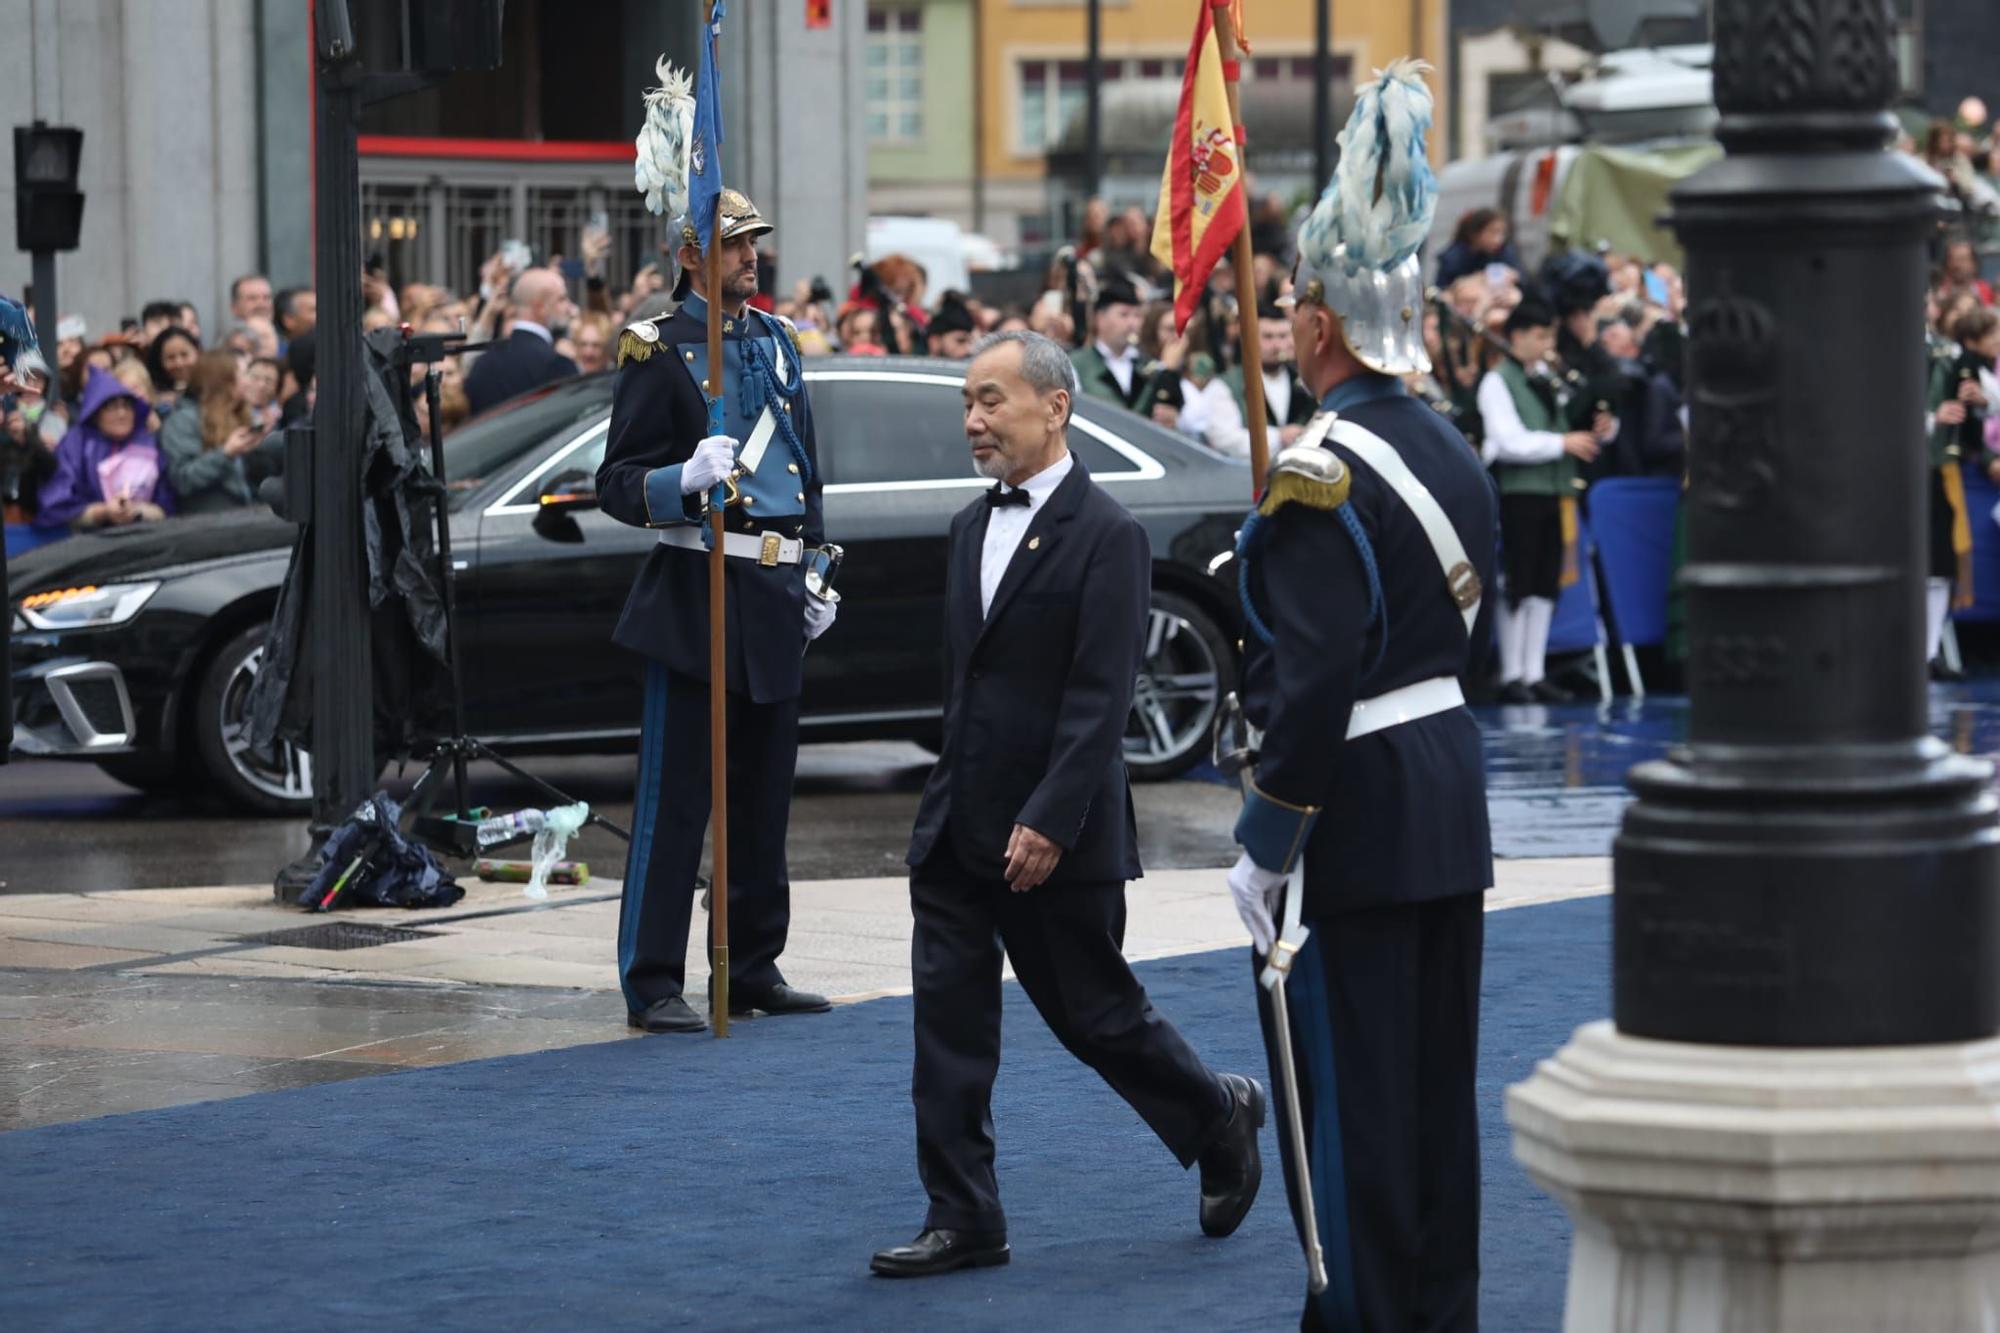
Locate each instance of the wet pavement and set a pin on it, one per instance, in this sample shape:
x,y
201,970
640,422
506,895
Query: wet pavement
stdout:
x,y
130,975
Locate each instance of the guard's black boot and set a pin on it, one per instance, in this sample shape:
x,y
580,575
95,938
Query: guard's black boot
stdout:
x,y
1232,1167
778,999
669,1015
936,1252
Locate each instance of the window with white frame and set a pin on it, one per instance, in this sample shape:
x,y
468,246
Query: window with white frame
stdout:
x,y
895,74
1051,92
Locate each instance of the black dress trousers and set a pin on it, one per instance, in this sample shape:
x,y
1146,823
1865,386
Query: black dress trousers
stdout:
x,y
1065,942
1385,1029
670,823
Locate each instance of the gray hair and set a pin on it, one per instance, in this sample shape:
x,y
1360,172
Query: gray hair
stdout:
x,y
1044,364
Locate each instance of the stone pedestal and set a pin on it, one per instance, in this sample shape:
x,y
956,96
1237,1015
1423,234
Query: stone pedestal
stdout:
x,y
1759,1190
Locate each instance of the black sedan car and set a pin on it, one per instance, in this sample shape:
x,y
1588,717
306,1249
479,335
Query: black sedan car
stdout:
x,y
135,648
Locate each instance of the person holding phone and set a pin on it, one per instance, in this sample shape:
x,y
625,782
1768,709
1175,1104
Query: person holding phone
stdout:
x,y
108,469
212,442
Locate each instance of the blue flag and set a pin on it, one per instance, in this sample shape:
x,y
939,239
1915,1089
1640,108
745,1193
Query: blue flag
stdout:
x,y
705,162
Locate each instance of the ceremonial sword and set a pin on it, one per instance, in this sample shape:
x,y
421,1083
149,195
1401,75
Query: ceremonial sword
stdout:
x,y
1236,745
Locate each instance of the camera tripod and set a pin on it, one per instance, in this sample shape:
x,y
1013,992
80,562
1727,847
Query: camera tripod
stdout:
x,y
456,834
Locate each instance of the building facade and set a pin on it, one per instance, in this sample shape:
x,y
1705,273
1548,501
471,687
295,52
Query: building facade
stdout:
x,y
198,139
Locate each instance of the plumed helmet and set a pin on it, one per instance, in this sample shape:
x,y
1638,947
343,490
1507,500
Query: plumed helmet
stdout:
x,y
1358,247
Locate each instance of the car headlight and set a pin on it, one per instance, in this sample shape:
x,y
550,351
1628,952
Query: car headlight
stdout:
x,y
88,607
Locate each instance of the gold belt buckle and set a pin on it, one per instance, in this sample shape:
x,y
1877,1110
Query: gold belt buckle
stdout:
x,y
768,556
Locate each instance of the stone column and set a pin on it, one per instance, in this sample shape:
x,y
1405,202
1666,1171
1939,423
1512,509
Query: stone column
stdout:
x,y
1795,1123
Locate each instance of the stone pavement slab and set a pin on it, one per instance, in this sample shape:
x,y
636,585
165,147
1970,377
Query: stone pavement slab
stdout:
x,y
128,1000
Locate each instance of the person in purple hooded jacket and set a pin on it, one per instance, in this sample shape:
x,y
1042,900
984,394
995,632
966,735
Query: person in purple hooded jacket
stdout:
x,y
109,471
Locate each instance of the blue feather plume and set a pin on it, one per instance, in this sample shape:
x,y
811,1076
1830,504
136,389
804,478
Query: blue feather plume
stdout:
x,y
1383,195
19,349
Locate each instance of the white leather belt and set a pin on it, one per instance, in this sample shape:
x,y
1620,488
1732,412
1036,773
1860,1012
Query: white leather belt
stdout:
x,y
766,548
1426,698
1459,575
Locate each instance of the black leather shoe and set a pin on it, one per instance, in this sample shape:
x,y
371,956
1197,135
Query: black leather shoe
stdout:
x,y
1232,1167
669,1015
936,1252
1548,692
1514,692
779,999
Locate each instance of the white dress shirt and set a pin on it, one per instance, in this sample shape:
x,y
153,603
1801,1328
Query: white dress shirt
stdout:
x,y
1121,364
1508,440
1278,394
539,330
1007,524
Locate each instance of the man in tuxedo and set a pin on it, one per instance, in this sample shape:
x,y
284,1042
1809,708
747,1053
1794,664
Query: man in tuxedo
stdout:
x,y
527,358
1024,839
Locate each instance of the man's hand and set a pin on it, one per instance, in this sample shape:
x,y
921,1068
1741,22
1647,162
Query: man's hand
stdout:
x,y
1971,394
1951,413
1031,858
596,246
1256,891
1165,414
1581,445
819,616
1605,427
711,462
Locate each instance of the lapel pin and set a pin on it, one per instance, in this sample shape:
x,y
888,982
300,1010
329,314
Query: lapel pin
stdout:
x,y
1034,543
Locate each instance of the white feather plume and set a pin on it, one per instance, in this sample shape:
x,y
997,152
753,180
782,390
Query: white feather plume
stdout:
x,y
1382,196
660,170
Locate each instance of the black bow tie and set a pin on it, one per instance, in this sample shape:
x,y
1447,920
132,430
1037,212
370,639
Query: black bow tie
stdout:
x,y
1000,497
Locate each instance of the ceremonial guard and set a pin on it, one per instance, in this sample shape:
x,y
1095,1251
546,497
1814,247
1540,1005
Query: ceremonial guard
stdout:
x,y
1364,827
660,463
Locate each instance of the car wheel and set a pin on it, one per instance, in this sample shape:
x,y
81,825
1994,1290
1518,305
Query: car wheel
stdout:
x,y
278,782
1186,668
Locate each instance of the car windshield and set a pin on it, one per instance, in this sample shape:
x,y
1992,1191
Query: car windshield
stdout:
x,y
481,450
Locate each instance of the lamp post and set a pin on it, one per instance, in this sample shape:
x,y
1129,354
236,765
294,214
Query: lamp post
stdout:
x,y
1793,1123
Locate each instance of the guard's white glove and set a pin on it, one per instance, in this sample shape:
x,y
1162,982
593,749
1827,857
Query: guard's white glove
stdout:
x,y
1257,891
819,616
710,463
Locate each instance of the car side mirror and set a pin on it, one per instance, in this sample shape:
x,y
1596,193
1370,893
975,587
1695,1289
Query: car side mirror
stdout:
x,y
563,497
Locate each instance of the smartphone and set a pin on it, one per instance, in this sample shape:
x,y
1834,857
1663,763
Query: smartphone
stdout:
x,y
1656,288
599,224
1499,275
515,254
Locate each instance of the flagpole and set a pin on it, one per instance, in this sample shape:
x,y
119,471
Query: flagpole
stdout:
x,y
718,662
1246,271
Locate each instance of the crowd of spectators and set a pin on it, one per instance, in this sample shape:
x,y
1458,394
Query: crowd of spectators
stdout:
x,y
156,417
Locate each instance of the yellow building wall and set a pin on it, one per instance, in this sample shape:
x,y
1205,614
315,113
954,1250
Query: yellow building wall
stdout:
x,y
1010,31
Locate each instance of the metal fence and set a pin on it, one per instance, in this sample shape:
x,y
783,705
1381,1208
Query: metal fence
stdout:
x,y
438,220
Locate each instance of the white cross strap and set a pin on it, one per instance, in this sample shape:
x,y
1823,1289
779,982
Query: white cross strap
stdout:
x,y
1460,578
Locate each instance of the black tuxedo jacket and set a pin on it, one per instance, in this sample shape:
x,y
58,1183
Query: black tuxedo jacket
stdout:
x,y
1036,692
524,361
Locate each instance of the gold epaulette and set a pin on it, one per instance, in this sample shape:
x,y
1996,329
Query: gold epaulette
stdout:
x,y
1307,475
637,341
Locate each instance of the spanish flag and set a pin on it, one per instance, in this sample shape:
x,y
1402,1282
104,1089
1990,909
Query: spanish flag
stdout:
x,y
1201,191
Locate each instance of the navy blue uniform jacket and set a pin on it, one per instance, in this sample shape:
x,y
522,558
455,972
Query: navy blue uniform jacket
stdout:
x,y
1405,808
1036,693
658,415
522,362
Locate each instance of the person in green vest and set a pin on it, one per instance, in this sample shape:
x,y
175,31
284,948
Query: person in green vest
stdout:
x,y
1535,462
1111,366
1960,368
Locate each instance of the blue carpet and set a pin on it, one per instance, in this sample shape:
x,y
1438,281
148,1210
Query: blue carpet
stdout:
x,y
678,1182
